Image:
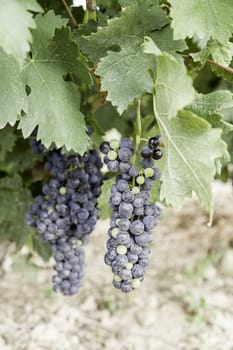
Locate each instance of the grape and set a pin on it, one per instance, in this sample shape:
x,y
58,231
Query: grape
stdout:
x,y
112,155
115,144
133,172
138,271
136,227
128,196
125,154
140,180
147,163
146,152
157,154
138,201
105,147
124,167
122,185
126,287
148,184
156,175
132,218
125,274
116,198
136,190
125,210
138,211
121,249
66,213
148,172
124,224
136,283
113,166
153,142
125,142
150,222
123,237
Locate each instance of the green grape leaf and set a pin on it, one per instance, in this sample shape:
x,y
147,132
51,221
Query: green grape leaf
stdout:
x,y
130,77
125,3
102,115
19,158
173,86
135,22
210,103
220,53
212,18
15,201
42,248
208,107
164,39
7,141
103,201
15,24
191,149
12,90
228,76
59,118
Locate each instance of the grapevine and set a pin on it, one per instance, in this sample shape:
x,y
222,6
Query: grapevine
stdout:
x,y
74,73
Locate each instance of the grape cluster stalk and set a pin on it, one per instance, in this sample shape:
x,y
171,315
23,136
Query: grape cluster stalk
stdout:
x,y
66,212
133,216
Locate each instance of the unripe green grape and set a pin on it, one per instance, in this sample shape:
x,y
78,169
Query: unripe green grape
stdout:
x,y
129,266
114,232
112,155
140,180
121,249
148,172
136,190
115,144
117,278
50,211
136,282
62,190
79,242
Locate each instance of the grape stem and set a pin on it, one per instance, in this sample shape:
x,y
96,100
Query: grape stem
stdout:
x,y
138,131
216,64
90,12
68,10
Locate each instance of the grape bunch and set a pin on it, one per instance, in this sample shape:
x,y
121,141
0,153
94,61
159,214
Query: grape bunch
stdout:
x,y
66,212
133,217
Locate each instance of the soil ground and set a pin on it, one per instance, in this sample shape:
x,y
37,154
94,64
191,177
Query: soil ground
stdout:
x,y
184,303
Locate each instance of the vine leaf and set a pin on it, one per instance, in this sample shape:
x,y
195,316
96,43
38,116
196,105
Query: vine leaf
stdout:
x,y
125,75
212,18
173,86
208,107
15,24
191,149
59,118
164,39
103,201
7,141
12,90
220,53
136,21
14,203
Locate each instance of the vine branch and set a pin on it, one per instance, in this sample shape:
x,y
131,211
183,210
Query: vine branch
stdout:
x,y
227,69
68,10
91,5
138,130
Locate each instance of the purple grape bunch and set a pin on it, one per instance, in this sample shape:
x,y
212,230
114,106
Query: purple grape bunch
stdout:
x,y
66,212
133,216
